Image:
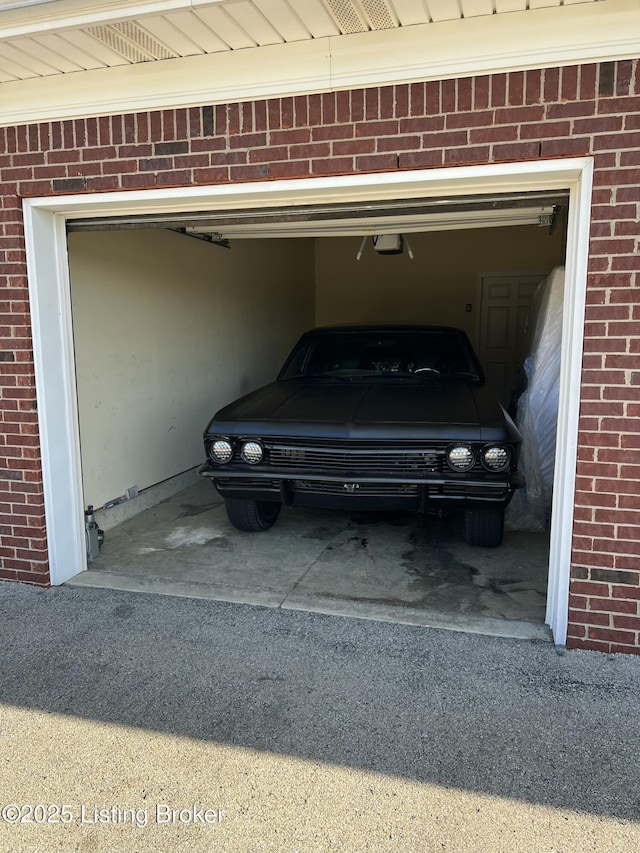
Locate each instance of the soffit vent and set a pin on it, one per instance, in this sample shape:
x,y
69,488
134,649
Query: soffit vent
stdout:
x,y
131,42
347,16
379,15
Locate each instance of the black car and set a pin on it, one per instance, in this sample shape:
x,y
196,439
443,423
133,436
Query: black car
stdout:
x,y
369,418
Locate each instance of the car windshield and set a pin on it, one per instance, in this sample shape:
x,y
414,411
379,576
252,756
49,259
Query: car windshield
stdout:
x,y
424,354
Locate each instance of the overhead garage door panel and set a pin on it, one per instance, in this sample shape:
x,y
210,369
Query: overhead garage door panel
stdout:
x,y
406,215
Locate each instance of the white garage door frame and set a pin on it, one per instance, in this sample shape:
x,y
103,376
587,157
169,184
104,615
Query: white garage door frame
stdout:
x,y
49,287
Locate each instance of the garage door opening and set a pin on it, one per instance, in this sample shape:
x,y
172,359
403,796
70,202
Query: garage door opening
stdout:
x,y
187,326
235,312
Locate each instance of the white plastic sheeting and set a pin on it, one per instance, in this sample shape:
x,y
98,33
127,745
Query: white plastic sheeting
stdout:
x,y
537,410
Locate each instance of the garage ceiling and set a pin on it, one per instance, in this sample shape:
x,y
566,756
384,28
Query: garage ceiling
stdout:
x,y
52,37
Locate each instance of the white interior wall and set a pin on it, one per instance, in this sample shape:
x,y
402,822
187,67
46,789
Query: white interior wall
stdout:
x,y
437,285
168,329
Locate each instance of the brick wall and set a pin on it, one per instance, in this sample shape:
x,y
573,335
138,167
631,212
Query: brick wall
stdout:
x,y
523,115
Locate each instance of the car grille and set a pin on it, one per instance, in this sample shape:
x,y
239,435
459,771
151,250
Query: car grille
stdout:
x,y
364,490
393,461
455,490
248,483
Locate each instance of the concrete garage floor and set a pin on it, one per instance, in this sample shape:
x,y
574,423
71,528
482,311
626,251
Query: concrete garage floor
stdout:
x,y
390,567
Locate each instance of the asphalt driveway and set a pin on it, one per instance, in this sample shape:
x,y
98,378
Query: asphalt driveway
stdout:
x,y
141,722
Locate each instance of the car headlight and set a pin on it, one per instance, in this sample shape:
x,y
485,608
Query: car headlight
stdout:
x,y
496,458
252,452
221,451
461,457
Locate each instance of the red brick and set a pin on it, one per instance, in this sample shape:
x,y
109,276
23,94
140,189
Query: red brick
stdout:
x,y
398,143
336,131
375,162
371,106
617,178
589,557
402,101
466,154
566,147
533,86
456,121
433,99
448,96
584,617
627,562
626,621
588,645
421,159
505,133
268,155
578,631
519,115
612,635
387,104
481,92
619,105
292,136
416,99
545,130
445,139
629,226
464,94
332,166
254,140
499,90
290,169
612,246
425,124
610,605
617,648
631,593
315,149
590,588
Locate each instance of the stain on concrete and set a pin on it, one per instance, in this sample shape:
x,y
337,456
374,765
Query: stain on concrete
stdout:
x,y
191,510
318,533
182,537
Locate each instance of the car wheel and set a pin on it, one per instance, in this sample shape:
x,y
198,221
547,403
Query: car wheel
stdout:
x,y
252,515
484,527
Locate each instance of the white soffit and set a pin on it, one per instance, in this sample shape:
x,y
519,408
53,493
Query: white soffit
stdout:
x,y
71,58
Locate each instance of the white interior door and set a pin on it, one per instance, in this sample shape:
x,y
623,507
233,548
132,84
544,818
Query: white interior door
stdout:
x,y
505,302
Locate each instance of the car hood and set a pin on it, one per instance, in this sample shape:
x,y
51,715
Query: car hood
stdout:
x,y
393,408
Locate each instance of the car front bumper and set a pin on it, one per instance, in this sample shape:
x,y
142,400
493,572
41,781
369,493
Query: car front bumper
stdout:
x,y
364,491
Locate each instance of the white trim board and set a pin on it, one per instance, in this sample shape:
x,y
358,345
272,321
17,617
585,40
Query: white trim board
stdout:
x,y
569,35
47,264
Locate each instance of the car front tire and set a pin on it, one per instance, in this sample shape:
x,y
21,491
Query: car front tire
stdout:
x,y
484,527
252,516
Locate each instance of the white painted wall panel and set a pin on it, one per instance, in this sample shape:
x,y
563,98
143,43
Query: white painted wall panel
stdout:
x,y
433,288
167,330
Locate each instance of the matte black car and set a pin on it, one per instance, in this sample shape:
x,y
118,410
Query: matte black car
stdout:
x,y
369,418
